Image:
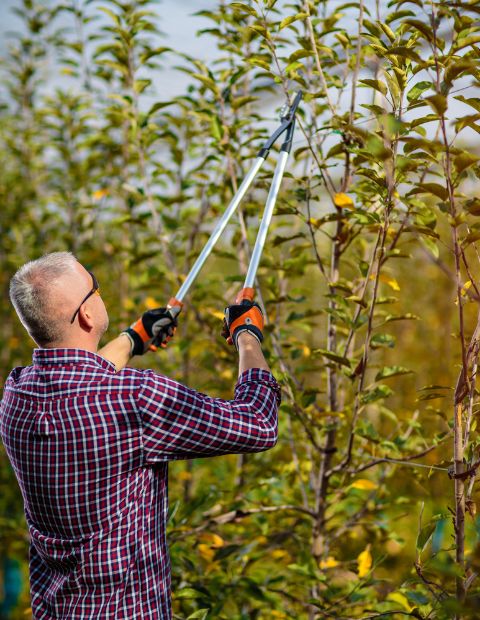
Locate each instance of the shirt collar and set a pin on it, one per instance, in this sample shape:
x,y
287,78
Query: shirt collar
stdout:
x,y
61,357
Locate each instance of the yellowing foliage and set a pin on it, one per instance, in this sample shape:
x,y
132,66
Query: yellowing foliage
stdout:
x,y
386,279
212,539
363,484
343,201
330,562
206,552
99,194
400,598
184,475
151,303
364,561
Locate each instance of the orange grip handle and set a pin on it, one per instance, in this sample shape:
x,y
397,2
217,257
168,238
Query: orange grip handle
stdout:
x,y
246,293
175,306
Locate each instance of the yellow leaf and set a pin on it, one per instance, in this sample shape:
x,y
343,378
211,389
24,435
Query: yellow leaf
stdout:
x,y
364,561
261,540
206,552
343,201
217,314
184,475
465,288
398,597
363,484
214,540
280,554
99,194
226,374
330,562
276,614
151,303
128,304
307,351
392,283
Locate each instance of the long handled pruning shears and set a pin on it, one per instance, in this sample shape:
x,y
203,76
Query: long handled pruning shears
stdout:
x,y
287,126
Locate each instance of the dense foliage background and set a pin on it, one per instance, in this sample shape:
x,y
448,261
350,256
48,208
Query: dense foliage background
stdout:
x,y
366,508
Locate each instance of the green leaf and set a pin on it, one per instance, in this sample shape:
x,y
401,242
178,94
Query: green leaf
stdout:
x,y
430,188
158,106
338,359
243,8
473,102
431,245
216,128
438,103
464,160
456,68
291,19
259,62
206,81
416,90
425,535
200,614
388,31
377,393
188,593
424,29
473,206
382,340
392,371
468,121
471,237
140,85
404,52
398,15
301,53
376,84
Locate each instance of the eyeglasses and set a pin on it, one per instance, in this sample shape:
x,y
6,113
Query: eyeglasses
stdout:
x,y
95,289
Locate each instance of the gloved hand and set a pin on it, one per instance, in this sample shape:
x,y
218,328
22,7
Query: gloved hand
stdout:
x,y
154,329
246,316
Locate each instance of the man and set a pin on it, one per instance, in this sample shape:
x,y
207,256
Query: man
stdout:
x,y
90,441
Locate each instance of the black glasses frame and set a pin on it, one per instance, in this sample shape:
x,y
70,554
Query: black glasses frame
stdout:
x,y
95,289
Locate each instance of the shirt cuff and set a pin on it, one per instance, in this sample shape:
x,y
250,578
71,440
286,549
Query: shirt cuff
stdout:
x,y
257,375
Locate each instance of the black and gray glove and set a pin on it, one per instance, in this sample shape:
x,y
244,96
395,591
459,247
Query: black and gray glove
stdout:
x,y
155,328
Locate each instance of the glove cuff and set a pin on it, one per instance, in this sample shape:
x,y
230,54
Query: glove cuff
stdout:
x,y
251,329
138,346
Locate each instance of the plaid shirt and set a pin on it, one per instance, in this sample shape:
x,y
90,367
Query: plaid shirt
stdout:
x,y
90,449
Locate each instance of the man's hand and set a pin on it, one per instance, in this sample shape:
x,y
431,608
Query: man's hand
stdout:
x,y
155,328
246,316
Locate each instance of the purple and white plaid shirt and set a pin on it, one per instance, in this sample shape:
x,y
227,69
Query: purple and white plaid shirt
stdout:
x,y
90,449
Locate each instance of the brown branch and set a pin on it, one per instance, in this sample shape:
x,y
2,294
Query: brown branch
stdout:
x,y
236,515
405,459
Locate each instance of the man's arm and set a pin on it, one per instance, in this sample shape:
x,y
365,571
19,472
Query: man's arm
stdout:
x,y
118,351
180,423
250,353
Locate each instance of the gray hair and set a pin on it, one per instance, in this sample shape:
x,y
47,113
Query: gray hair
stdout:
x,y
30,290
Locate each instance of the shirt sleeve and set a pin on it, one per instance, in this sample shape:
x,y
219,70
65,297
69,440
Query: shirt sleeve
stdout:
x,y
179,422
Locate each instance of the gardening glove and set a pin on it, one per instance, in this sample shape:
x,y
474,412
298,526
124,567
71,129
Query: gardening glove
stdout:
x,y
155,328
246,316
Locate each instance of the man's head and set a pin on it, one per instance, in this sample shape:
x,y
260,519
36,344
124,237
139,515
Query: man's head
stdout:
x,y
49,292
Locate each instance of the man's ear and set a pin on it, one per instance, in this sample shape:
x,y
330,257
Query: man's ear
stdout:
x,y
85,317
